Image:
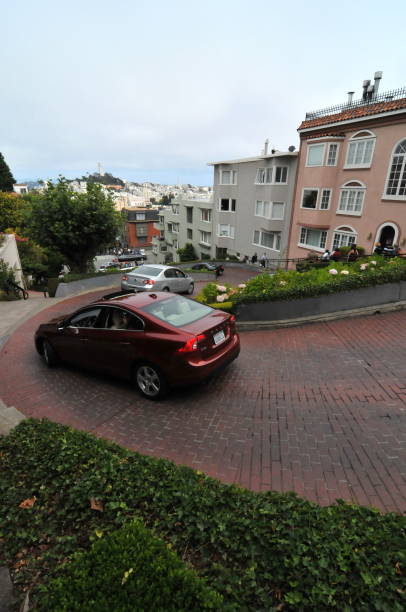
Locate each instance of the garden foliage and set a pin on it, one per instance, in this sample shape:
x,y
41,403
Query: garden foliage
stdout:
x,y
61,490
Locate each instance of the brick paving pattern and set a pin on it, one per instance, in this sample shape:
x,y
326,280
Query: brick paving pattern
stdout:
x,y
318,409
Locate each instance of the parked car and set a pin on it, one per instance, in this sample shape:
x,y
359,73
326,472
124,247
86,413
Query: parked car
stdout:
x,y
204,265
155,277
132,257
158,340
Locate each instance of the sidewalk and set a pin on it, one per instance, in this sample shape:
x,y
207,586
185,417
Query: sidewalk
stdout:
x,y
14,313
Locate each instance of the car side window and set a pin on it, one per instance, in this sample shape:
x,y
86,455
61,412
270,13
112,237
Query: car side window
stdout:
x,y
118,318
170,273
86,318
179,274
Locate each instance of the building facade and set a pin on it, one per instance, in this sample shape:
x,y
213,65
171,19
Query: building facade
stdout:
x,y
351,179
252,203
140,227
184,221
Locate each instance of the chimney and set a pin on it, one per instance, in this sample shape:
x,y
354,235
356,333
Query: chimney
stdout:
x,y
365,86
350,95
266,147
377,77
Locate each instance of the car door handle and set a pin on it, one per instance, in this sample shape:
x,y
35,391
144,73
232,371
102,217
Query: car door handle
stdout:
x,y
84,339
125,342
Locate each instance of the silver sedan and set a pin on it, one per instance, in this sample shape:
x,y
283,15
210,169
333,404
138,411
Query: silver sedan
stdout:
x,y
154,277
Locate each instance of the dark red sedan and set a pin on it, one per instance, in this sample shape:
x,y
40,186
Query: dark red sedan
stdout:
x,y
158,340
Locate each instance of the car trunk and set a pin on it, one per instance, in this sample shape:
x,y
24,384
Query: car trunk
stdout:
x,y
217,330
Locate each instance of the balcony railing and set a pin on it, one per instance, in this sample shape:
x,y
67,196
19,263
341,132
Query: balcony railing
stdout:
x,y
395,94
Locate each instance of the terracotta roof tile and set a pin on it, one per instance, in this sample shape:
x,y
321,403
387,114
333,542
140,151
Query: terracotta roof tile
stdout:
x,y
354,113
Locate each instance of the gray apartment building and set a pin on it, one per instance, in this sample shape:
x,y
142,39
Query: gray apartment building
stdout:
x,y
185,221
252,205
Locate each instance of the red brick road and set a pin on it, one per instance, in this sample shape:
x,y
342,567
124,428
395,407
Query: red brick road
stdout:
x,y
318,409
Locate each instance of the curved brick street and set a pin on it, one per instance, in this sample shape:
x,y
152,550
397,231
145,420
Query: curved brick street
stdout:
x,y
318,409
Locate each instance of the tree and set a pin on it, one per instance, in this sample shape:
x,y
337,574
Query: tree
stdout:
x,y
6,178
77,225
11,211
187,253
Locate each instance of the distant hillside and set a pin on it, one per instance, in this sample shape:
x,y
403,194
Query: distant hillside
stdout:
x,y
105,179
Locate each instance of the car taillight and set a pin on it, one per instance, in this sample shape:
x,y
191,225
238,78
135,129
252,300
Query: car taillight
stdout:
x,y
232,319
191,345
149,281
125,277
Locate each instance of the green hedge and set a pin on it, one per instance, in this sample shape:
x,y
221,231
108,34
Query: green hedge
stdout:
x,y
259,551
128,570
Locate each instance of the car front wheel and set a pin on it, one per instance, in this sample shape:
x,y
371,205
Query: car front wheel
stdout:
x,y
191,288
49,355
150,381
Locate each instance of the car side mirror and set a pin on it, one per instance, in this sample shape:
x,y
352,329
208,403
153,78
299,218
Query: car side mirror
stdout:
x,y
61,325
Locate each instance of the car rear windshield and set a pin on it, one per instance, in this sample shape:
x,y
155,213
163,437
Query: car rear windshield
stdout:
x,y
148,270
177,310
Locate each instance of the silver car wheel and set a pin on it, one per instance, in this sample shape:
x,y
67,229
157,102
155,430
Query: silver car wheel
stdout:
x,y
149,381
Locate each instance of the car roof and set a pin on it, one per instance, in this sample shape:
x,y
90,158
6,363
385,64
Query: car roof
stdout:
x,y
133,301
159,266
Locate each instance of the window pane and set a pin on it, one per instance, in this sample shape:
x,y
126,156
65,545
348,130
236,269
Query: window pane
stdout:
x,y
309,198
260,175
332,154
259,208
268,175
315,155
226,177
256,237
278,210
351,153
281,174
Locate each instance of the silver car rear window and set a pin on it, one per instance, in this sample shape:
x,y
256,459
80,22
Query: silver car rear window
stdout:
x,y
148,270
177,310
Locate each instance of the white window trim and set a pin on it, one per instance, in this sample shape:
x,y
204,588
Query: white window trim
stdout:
x,y
264,168
175,228
309,246
317,199
233,174
261,246
263,202
321,198
328,153
315,144
201,215
356,138
361,187
398,198
229,204
283,213
230,235
202,241
274,175
338,230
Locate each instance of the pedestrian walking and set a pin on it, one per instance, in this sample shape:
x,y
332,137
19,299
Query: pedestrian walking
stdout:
x,y
263,260
254,258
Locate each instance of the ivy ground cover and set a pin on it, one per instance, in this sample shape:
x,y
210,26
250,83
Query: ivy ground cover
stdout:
x,y
62,490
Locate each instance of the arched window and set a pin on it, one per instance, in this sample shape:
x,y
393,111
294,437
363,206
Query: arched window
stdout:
x,y
351,198
343,236
360,150
396,181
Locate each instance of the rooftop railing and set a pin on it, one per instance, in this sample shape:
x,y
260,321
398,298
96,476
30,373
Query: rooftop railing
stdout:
x,y
395,94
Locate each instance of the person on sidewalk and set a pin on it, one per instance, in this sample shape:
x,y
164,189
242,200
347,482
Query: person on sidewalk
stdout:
x,y
263,260
254,258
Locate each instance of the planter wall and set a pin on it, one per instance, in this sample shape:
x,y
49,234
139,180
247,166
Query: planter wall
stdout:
x,y
87,284
322,304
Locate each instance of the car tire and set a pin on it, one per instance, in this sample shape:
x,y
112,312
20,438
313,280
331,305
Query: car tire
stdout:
x,y
150,381
49,355
191,288
166,289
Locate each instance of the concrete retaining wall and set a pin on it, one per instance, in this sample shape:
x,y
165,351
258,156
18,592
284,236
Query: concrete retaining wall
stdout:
x,y
322,304
88,284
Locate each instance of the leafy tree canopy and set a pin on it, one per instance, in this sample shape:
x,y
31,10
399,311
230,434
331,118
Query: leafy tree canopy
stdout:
x,y
74,224
6,178
11,211
187,253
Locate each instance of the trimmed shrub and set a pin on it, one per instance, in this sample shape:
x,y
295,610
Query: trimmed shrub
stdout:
x,y
130,569
260,551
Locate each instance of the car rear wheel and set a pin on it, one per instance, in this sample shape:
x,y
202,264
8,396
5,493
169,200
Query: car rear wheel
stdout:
x,y
49,355
150,381
191,288
165,289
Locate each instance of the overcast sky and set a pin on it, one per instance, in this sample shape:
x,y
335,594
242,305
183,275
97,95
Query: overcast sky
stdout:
x,y
156,89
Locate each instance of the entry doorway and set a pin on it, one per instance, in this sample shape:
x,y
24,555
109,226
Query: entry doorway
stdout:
x,y
387,235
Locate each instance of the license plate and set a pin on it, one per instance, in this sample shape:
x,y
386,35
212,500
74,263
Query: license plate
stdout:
x,y
219,337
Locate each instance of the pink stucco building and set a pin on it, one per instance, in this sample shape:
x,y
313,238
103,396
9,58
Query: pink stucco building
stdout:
x,y
351,178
